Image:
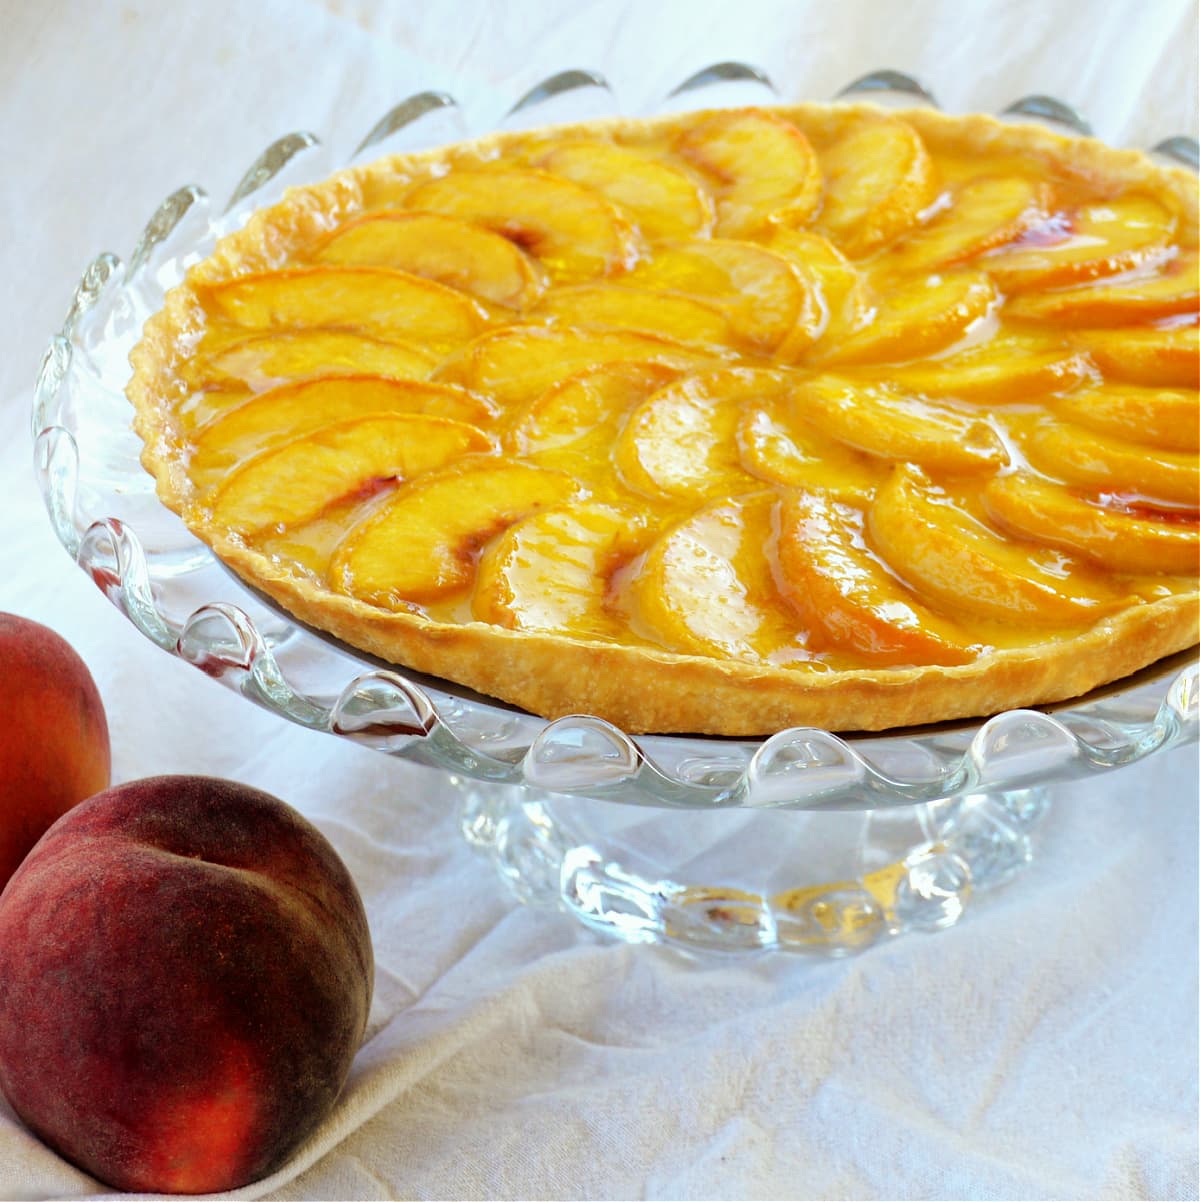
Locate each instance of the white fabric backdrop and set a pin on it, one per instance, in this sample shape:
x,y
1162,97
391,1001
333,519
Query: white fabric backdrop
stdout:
x,y
1044,1048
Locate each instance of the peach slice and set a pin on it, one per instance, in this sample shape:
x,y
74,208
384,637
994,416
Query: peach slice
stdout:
x,y
776,444
574,232
424,542
879,178
762,167
1173,288
1164,417
296,409
962,566
919,319
1166,358
663,201
979,215
1011,368
642,310
1083,243
839,589
845,297
896,425
264,360
456,253
1119,540
1080,456
293,483
682,440
369,300
573,425
552,570
764,296
518,363
705,587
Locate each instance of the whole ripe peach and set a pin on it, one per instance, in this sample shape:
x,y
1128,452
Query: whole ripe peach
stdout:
x,y
54,748
185,975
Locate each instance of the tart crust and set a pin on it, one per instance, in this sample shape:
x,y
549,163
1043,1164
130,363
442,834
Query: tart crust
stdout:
x,y
640,688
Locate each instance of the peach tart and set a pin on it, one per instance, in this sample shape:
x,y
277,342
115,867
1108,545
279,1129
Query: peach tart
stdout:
x,y
719,423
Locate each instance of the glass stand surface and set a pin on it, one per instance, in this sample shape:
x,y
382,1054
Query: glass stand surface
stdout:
x,y
742,880
805,841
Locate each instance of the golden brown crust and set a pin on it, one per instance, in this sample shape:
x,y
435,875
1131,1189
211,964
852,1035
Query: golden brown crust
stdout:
x,y
625,685
641,689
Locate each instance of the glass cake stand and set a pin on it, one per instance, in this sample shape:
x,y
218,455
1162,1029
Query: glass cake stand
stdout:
x,y
806,841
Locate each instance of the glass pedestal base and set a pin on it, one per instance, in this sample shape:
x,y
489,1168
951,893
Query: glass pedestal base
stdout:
x,y
822,882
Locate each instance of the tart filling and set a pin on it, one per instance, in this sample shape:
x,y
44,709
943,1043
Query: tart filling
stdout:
x,y
716,423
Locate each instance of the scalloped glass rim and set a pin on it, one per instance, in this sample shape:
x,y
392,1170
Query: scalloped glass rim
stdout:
x,y
103,509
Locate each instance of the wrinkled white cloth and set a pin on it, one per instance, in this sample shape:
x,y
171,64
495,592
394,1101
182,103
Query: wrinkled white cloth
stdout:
x,y
1046,1047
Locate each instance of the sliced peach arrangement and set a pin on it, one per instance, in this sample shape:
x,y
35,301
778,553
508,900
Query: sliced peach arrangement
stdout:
x,y
574,424
292,410
918,319
424,542
553,569
1136,539
681,318
445,249
682,440
663,201
811,391
1011,368
575,233
374,301
976,216
967,568
295,482
705,588
264,360
841,590
516,364
1084,243
891,424
761,169
771,307
834,286
1170,289
1167,357
1159,417
1080,456
879,178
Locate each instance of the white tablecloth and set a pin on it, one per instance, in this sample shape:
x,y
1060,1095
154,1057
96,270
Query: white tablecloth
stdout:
x,y
1043,1048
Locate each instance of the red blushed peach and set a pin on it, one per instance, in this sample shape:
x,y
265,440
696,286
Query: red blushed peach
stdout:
x,y
54,748
185,975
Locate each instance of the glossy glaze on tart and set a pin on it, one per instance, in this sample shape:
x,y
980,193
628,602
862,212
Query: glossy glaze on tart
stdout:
x,y
715,423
